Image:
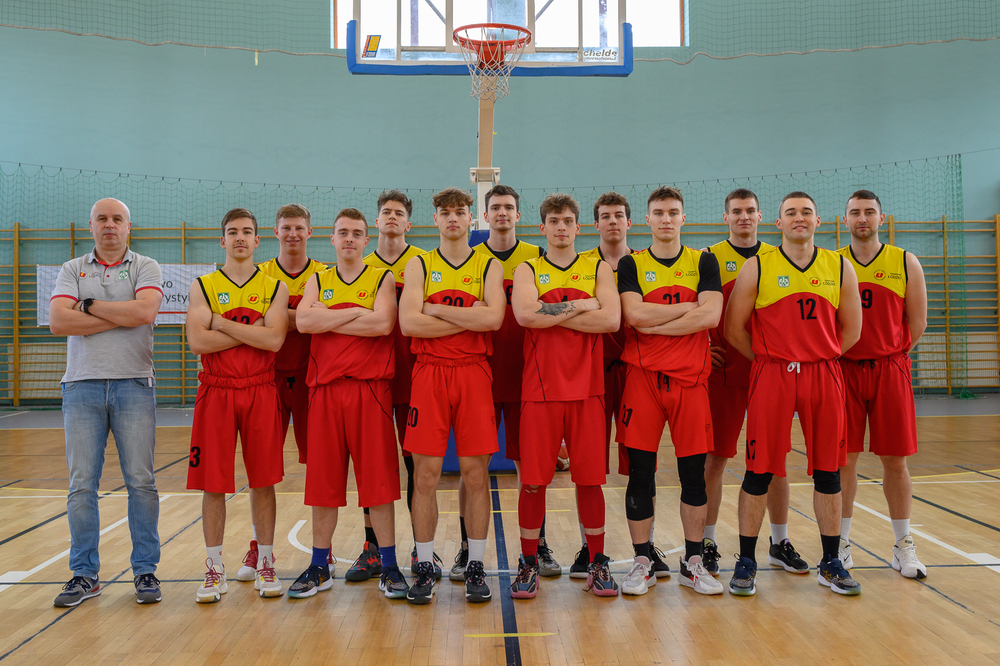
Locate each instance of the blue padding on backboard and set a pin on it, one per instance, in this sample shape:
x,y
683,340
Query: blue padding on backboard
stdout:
x,y
393,68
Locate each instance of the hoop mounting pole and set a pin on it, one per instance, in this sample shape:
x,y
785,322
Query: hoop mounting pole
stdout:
x,y
484,175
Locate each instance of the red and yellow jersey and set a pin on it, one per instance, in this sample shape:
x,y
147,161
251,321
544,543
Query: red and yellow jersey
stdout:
x,y
245,304
334,356
795,314
507,361
736,372
403,376
614,343
885,330
560,363
669,281
294,353
459,286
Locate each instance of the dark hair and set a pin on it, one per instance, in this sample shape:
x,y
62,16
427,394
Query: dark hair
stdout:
x,y
612,199
238,214
741,193
557,202
398,197
797,195
662,193
452,197
351,214
503,191
866,195
292,211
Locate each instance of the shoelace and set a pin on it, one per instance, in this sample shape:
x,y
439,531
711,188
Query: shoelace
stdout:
x,y
251,556
266,571
544,551
392,576
425,574
710,552
81,580
212,577
463,555
795,367
658,554
476,575
602,573
147,580
523,574
640,569
789,550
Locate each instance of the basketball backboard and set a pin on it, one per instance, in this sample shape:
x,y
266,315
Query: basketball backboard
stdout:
x,y
569,37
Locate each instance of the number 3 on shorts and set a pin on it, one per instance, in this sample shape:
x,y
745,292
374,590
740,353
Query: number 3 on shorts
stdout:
x,y
195,458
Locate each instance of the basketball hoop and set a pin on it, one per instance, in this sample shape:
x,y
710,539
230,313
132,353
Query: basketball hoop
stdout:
x,y
491,50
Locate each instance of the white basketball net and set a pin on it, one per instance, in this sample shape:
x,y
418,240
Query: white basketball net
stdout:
x,y
491,52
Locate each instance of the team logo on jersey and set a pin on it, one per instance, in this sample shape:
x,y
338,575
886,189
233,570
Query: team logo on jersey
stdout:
x,y
543,278
783,281
466,279
362,295
880,274
122,275
327,294
678,273
814,281
83,275
730,266
401,274
435,276
575,277
224,298
650,276
253,299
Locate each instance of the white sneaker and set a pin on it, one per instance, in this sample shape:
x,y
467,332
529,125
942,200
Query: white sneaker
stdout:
x,y
696,576
640,577
248,571
267,583
844,553
904,559
215,584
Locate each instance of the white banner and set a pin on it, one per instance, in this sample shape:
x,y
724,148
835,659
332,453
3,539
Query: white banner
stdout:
x,y
177,279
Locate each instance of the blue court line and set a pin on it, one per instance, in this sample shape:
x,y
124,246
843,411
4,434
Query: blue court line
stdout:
x,y
511,644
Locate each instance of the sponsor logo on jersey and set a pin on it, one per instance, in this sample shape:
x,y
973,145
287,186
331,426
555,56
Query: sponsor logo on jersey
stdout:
x,y
253,299
829,283
678,273
895,276
650,276
362,294
575,277
83,275
814,281
466,279
122,275
543,278
435,276
783,281
224,298
880,274
401,274
327,294
730,266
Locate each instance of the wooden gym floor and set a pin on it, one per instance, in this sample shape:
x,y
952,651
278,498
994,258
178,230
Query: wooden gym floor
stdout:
x,y
952,617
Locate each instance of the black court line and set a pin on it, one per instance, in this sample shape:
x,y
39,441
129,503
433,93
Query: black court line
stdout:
x,y
11,483
99,498
511,644
974,471
113,580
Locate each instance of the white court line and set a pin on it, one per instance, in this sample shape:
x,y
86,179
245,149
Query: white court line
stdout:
x,y
7,416
293,538
18,576
978,558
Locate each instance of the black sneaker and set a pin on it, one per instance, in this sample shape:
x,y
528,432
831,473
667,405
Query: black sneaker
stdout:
x,y
393,583
547,565
743,584
783,555
437,564
422,589
78,589
710,557
476,589
457,572
368,565
660,567
312,580
147,589
581,564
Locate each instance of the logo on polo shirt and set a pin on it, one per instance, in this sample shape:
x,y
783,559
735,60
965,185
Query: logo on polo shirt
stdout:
x,y
224,298
435,276
730,266
122,275
327,294
783,281
83,275
650,276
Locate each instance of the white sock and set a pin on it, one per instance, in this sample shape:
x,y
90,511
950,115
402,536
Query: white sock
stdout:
x,y
583,535
214,554
266,552
709,532
901,528
778,533
477,549
845,529
652,528
254,528
425,551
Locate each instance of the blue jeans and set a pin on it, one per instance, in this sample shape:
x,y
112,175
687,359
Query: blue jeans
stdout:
x,y
127,408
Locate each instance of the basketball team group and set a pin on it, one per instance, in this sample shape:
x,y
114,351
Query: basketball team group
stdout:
x,y
564,349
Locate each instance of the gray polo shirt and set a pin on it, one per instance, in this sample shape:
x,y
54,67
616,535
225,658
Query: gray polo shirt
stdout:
x,y
121,353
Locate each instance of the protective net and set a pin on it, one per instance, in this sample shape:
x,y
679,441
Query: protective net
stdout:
x,y
719,28
176,221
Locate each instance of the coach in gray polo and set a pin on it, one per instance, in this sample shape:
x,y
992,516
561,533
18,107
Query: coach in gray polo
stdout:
x,y
105,303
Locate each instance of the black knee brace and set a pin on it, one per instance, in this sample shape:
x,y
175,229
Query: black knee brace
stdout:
x,y
691,470
641,481
826,483
756,484
408,463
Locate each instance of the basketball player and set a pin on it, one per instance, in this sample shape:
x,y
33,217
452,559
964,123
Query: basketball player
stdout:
x,y
503,211
565,302
803,305
350,311
727,391
671,296
877,374
236,321
392,253
292,227
452,299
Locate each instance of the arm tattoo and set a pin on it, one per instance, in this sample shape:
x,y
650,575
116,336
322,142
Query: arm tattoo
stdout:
x,y
556,308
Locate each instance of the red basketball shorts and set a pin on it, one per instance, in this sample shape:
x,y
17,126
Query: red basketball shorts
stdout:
x,y
293,403
729,408
652,400
511,412
882,392
352,418
544,425
450,394
778,389
224,407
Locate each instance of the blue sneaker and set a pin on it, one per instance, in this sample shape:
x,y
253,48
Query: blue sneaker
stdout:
x,y
312,580
393,584
833,575
742,582
525,584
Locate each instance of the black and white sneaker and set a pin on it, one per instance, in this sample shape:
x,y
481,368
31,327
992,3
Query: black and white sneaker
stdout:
x,y
581,565
660,567
785,556
547,565
457,572
422,589
710,556
312,580
476,589
437,564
